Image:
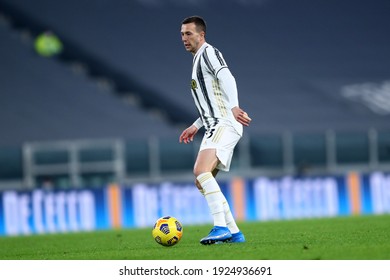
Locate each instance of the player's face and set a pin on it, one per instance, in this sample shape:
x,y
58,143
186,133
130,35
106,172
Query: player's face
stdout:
x,y
191,38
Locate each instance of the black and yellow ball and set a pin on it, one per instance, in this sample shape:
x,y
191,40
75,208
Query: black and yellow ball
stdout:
x,y
167,231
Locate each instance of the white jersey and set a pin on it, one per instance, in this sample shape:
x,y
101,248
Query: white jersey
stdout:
x,y
213,89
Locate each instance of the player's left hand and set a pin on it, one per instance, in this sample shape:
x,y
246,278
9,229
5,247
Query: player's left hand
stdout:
x,y
241,116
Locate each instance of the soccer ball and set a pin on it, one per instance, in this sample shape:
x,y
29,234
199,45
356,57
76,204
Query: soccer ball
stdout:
x,y
167,231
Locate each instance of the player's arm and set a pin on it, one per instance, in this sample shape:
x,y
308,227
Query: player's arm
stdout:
x,y
229,86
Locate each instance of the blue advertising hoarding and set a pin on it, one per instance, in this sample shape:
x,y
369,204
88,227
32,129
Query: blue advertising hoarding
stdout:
x,y
139,205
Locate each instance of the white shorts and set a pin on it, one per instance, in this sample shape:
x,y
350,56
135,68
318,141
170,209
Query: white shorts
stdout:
x,y
223,139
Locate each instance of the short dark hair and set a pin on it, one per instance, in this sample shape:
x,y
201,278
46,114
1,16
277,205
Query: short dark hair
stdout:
x,y
199,22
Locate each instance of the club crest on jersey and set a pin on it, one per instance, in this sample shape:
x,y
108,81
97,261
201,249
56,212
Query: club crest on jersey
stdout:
x,y
193,84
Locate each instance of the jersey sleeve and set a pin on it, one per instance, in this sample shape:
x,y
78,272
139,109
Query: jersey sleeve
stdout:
x,y
198,123
214,60
229,86
217,66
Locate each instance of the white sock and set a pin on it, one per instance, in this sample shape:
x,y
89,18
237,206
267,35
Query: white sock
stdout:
x,y
230,222
214,197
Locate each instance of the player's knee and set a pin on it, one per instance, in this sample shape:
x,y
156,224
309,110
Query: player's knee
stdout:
x,y
198,170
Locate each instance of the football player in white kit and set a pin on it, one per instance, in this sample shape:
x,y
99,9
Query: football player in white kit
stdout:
x,y
215,95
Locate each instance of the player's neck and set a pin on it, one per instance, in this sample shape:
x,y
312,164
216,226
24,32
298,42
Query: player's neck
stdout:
x,y
201,44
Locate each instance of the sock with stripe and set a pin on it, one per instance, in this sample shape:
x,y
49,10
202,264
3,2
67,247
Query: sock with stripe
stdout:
x,y
230,222
214,197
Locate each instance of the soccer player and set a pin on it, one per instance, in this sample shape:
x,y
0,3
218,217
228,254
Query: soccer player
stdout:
x,y
215,94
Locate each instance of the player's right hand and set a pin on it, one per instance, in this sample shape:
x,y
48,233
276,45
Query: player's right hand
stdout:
x,y
188,134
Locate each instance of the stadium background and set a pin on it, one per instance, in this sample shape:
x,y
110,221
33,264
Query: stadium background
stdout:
x,y
89,138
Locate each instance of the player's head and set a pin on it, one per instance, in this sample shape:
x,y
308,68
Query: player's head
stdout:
x,y
193,32
198,21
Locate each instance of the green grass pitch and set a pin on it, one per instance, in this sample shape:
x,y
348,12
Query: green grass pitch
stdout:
x,y
342,238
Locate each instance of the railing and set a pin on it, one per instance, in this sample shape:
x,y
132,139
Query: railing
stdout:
x,y
98,162
72,159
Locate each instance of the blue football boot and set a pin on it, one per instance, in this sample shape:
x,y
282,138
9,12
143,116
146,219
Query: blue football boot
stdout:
x,y
237,237
217,235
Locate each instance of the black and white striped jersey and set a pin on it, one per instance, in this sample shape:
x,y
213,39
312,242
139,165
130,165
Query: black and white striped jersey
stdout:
x,y
214,89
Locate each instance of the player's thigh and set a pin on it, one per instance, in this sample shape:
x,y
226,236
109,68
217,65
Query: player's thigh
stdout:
x,y
206,161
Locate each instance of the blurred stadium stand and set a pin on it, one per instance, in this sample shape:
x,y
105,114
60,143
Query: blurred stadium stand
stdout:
x,y
293,65
44,100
